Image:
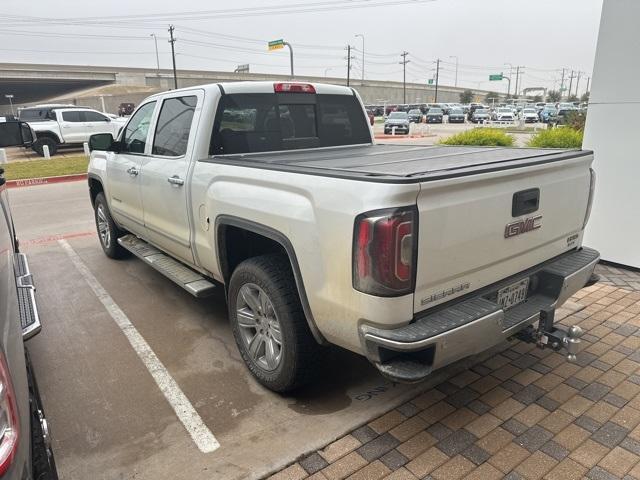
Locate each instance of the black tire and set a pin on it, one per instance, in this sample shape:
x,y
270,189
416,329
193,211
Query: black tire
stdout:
x,y
49,142
300,353
111,248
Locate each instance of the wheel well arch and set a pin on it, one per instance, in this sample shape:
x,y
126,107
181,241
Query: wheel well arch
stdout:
x,y
48,134
238,239
95,187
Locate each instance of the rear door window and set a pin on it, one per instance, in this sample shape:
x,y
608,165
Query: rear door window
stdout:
x,y
174,126
72,116
249,123
94,117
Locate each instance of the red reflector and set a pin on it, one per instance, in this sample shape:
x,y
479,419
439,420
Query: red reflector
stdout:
x,y
294,88
9,426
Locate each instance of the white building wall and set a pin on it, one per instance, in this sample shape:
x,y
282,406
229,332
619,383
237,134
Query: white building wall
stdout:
x,y
613,132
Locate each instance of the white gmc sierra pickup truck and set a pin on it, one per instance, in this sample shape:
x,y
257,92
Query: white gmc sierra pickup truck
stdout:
x,y
414,256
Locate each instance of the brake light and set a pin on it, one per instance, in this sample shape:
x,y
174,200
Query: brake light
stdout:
x,y
384,255
294,88
592,189
9,425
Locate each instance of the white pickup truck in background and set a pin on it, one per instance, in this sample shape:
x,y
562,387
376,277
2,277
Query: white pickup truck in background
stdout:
x,y
66,125
414,256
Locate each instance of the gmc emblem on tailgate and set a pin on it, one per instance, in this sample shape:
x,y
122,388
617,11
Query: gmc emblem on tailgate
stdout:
x,y
522,226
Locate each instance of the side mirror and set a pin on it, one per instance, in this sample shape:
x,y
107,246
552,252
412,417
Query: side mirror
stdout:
x,y
101,141
15,134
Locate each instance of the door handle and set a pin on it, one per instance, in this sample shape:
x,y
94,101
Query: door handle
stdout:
x,y
175,180
133,171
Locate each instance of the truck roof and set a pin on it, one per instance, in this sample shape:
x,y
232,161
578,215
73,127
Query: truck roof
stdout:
x,y
261,87
399,163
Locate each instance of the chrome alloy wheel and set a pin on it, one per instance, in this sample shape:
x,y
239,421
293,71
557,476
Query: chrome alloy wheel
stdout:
x,y
259,327
103,227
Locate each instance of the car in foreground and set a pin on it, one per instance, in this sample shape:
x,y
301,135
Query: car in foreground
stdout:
x,y
25,444
413,256
456,115
480,115
397,122
503,114
415,116
529,115
434,115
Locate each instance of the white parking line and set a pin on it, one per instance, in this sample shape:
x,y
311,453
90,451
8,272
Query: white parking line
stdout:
x,y
199,432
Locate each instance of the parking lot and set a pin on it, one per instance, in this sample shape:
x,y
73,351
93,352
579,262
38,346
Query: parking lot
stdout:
x,y
108,417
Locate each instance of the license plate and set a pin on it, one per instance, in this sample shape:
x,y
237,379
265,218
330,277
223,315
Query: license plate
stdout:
x,y
513,294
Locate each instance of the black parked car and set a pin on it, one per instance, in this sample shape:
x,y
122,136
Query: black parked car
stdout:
x,y
456,115
435,115
415,116
25,451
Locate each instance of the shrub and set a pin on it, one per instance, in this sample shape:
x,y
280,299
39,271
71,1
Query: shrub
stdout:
x,y
489,137
559,137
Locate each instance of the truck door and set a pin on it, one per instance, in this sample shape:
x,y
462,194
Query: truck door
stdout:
x,y
124,170
72,126
164,183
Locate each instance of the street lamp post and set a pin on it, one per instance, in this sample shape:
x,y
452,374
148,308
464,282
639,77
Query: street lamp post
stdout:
x,y
155,39
10,97
510,75
456,81
362,36
326,70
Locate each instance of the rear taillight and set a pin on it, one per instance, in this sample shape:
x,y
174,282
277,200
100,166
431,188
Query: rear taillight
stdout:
x,y
9,426
385,252
293,88
592,189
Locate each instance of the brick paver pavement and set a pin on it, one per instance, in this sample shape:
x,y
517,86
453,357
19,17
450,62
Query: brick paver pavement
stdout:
x,y
523,413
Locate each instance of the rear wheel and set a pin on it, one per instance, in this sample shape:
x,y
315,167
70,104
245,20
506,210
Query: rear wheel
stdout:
x,y
49,142
269,326
108,231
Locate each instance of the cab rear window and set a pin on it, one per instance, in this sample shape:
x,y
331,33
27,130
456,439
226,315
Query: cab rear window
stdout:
x,y
264,122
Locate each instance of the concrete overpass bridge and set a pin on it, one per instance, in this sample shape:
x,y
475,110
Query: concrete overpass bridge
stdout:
x,y
83,85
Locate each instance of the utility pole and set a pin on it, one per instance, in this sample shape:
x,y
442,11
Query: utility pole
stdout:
x,y
578,83
562,84
570,83
435,96
588,82
404,75
172,41
518,79
456,81
349,58
362,36
155,39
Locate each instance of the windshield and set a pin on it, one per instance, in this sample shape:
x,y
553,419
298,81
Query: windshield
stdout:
x,y
455,111
435,111
505,110
397,115
482,111
415,112
529,110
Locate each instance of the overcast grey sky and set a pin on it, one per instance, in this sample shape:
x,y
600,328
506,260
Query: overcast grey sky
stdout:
x,y
542,35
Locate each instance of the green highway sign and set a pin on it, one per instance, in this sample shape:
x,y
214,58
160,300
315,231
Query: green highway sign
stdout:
x,y
276,44
496,76
430,81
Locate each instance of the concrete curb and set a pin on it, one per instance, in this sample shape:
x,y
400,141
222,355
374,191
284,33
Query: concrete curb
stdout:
x,y
401,137
28,182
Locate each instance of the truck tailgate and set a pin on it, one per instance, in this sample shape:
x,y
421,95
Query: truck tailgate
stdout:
x,y
471,234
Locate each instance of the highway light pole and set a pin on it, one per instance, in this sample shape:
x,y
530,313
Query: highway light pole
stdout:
x,y
510,76
172,41
362,36
404,75
10,97
435,97
456,81
287,44
155,39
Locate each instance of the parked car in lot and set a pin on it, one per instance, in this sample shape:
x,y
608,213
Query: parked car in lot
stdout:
x,y
398,121
548,114
126,108
480,115
529,115
503,114
64,126
25,448
456,115
369,247
434,115
415,116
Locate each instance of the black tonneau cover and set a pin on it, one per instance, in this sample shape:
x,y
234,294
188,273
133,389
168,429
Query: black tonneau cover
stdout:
x,y
399,163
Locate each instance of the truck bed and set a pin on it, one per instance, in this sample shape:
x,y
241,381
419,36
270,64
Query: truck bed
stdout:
x,y
399,163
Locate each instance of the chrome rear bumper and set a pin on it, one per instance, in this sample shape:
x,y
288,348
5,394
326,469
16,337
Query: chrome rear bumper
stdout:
x,y
475,322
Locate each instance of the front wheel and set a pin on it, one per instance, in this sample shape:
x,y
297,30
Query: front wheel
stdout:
x,y
108,231
269,325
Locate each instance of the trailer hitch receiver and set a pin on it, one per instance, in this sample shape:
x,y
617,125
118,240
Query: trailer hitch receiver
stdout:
x,y
549,336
